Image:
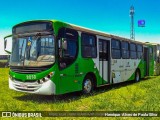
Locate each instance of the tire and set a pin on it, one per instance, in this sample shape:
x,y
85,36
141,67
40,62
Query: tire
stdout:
x,y
87,86
137,76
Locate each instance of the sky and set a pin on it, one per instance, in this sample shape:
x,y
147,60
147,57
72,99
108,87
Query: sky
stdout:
x,y
111,16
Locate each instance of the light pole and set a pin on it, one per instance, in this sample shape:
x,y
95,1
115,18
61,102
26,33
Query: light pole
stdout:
x,y
132,32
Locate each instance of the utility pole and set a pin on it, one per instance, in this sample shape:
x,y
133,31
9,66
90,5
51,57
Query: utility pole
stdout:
x,y
132,32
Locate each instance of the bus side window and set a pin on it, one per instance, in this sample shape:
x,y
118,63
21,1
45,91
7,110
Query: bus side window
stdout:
x,y
89,46
125,50
139,51
151,53
133,51
116,49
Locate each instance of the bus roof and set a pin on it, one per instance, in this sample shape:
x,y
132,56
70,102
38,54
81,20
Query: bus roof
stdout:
x,y
88,30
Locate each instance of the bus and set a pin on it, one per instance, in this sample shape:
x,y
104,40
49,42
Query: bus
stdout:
x,y
51,57
156,51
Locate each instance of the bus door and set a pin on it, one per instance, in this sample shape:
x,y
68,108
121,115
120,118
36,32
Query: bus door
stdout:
x,y
104,59
151,61
146,61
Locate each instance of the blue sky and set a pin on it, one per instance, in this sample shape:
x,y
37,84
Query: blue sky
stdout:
x,y
111,16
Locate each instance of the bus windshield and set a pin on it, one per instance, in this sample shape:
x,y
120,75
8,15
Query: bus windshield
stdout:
x,y
34,51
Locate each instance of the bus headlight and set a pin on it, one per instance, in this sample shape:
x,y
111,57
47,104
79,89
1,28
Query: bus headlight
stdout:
x,y
11,78
45,79
40,81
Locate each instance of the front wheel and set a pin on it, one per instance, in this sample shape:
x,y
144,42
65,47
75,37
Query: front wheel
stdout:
x,y
87,85
137,76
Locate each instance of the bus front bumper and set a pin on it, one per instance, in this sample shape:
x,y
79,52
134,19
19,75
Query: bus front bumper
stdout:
x,y
46,88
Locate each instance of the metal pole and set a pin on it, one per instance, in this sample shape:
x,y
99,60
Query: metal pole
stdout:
x,y
132,33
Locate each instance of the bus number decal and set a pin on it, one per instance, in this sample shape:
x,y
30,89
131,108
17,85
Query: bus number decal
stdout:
x,y
30,77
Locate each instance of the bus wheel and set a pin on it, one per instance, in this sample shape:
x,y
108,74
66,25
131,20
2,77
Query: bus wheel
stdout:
x,y
87,85
137,76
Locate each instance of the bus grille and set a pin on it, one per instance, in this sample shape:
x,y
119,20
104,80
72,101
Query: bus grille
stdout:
x,y
26,86
29,70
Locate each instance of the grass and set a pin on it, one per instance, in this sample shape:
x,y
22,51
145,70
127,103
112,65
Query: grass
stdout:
x,y
129,96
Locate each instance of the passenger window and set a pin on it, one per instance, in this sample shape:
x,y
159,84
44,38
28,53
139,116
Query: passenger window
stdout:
x,y
116,49
139,51
125,50
151,53
133,52
89,46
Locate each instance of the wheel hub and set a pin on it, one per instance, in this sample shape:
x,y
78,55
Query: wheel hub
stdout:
x,y
88,85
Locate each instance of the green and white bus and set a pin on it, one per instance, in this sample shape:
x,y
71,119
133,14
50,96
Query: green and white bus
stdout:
x,y
53,57
156,51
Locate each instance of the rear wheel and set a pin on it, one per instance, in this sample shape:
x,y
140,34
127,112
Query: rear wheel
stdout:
x,y
137,76
87,85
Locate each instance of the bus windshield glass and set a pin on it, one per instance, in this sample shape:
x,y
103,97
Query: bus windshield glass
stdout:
x,y
34,51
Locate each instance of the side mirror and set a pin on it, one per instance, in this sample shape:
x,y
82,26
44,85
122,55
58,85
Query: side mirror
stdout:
x,y
5,42
59,44
8,44
64,44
